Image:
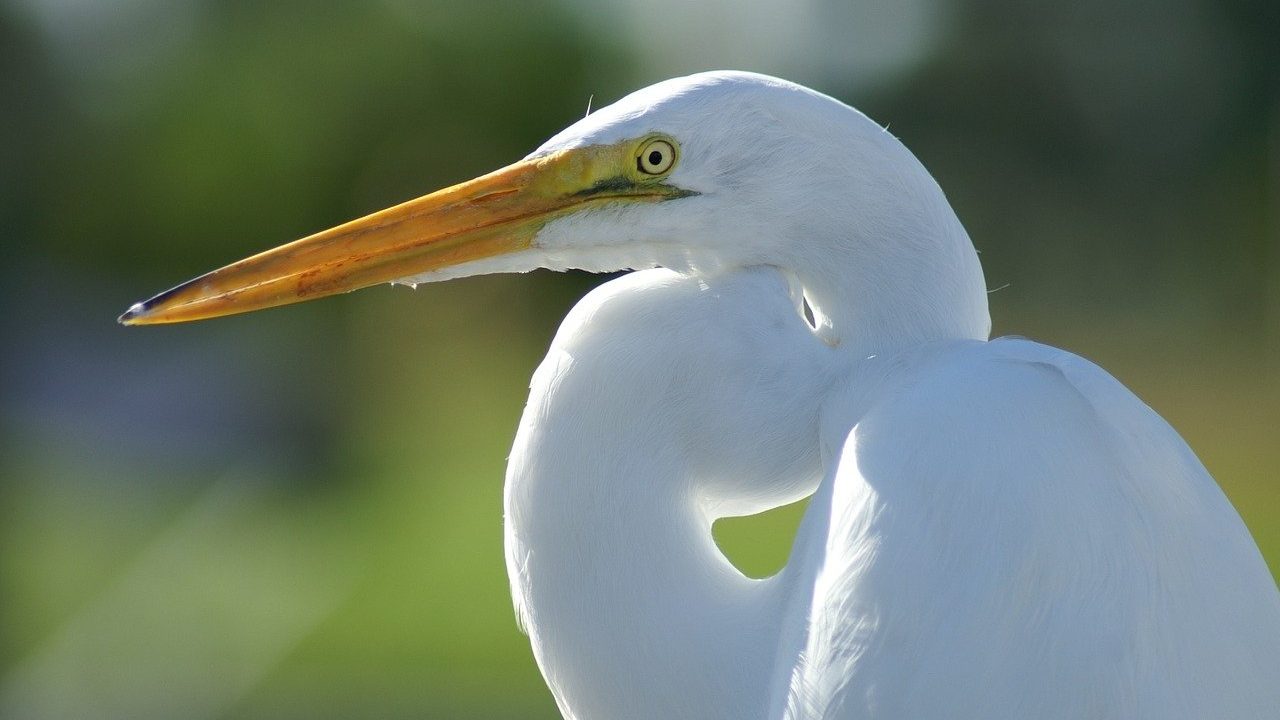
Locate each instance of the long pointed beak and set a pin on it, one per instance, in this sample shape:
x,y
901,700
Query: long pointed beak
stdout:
x,y
495,214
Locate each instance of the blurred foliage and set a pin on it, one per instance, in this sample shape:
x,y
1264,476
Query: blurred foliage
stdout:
x,y
298,513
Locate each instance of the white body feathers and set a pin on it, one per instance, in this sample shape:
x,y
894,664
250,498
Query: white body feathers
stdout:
x,y
1001,529
998,530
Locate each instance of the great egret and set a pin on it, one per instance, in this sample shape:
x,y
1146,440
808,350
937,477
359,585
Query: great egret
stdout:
x,y
997,530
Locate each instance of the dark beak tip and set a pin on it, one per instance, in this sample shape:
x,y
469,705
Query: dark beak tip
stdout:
x,y
133,314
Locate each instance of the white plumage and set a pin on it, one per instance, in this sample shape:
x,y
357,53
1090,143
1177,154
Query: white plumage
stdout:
x,y
998,529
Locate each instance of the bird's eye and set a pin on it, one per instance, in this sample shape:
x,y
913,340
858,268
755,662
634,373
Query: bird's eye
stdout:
x,y
656,157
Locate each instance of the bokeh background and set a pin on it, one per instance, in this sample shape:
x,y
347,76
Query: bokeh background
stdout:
x,y
297,513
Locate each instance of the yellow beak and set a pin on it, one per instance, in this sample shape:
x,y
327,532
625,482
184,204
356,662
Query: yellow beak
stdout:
x,y
495,214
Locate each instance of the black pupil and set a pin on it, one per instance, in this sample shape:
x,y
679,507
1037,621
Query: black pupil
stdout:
x,y
655,157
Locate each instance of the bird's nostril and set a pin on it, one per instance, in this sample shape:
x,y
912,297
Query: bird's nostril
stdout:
x,y
491,196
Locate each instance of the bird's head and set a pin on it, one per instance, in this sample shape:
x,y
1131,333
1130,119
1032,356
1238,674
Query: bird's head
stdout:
x,y
696,174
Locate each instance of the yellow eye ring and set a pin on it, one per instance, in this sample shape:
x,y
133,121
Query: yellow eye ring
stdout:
x,y
656,157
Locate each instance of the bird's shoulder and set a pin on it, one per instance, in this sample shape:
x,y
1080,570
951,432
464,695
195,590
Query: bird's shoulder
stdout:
x,y
983,401
1005,530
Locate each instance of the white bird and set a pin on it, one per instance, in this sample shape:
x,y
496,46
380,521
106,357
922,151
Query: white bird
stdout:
x,y
998,529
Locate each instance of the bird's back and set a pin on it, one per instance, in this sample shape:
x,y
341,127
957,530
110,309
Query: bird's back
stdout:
x,y
1006,531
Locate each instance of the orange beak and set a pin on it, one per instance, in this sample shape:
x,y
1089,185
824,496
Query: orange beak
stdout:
x,y
496,214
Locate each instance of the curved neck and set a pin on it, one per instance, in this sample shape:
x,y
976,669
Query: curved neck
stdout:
x,y
627,601
923,283
649,417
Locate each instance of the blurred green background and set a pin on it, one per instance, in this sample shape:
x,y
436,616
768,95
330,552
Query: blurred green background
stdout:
x,y
297,513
